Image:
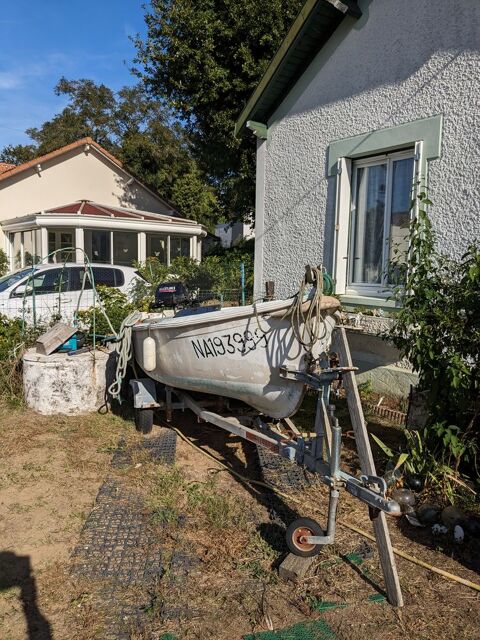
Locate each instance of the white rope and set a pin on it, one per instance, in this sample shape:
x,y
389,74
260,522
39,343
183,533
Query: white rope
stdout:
x,y
309,327
124,352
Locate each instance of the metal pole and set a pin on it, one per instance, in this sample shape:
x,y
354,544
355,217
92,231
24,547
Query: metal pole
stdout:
x,y
242,281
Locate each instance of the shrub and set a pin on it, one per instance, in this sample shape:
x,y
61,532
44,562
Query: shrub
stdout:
x,y
438,330
116,306
14,339
218,273
3,263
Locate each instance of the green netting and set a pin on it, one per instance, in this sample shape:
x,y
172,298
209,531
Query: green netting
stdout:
x,y
318,630
376,597
326,605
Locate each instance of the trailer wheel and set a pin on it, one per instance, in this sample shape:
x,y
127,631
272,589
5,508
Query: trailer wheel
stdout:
x,y
144,420
296,531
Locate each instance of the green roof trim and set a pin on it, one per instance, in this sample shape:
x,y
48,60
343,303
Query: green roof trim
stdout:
x,y
313,26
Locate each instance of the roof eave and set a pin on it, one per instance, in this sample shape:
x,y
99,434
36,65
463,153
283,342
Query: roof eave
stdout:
x,y
344,7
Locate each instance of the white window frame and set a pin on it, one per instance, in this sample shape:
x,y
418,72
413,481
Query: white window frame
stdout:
x,y
374,289
345,194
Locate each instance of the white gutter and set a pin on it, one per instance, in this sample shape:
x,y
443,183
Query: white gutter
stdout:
x,y
98,222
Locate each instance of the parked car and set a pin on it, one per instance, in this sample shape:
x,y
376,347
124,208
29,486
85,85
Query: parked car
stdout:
x,y
51,289
171,294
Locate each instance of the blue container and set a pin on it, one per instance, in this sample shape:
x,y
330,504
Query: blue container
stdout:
x,y
69,345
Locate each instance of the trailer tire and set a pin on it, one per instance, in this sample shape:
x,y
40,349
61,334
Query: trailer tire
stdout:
x,y
144,420
299,528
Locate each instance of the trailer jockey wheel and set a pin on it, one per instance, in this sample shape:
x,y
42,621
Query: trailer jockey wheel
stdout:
x,y
143,420
297,530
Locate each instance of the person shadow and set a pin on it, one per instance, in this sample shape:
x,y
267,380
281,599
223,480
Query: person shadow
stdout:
x,y
16,571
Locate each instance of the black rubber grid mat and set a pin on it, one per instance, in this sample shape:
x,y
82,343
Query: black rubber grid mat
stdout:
x,y
116,540
119,551
162,448
280,472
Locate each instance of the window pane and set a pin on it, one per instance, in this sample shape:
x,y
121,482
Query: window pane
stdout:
x,y
51,245
119,278
179,247
51,281
104,276
97,245
28,250
368,240
157,247
58,240
125,247
16,249
402,181
65,240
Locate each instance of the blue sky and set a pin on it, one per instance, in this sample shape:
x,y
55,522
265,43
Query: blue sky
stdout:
x,y
42,40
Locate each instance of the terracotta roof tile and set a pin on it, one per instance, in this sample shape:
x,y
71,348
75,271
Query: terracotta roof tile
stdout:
x,y
6,166
58,152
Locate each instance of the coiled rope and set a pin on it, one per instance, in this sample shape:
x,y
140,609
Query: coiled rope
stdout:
x,y
306,318
307,321
124,352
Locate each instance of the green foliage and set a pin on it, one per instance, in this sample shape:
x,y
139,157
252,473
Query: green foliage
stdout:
x,y
11,336
438,330
139,130
18,154
423,455
216,273
116,306
14,339
191,196
205,59
3,263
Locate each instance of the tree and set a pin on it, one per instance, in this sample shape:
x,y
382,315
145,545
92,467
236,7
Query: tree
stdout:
x,y
139,130
18,154
190,195
205,59
90,112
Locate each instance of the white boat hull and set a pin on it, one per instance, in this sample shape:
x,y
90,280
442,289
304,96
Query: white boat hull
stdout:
x,y
235,353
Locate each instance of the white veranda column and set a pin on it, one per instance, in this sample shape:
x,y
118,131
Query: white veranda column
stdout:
x,y
79,245
142,246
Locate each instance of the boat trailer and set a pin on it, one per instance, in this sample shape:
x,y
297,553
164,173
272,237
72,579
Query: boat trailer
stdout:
x,y
319,453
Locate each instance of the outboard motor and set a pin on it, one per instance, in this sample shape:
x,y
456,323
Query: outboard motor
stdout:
x,y
171,294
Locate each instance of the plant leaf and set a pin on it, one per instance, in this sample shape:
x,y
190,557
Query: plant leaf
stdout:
x,y
386,449
401,460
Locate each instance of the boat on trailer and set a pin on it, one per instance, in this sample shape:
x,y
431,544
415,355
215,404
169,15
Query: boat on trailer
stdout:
x,y
265,355
236,352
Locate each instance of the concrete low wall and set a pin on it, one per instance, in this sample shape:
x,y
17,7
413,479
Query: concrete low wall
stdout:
x,y
378,361
67,385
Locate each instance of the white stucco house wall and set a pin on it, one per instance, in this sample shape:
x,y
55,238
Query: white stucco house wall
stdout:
x,y
362,100
81,196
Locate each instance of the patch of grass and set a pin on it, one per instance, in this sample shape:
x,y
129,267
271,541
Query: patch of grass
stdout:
x,y
216,508
259,559
167,495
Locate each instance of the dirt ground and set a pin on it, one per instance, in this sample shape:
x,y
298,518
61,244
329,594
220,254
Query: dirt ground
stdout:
x,y
51,470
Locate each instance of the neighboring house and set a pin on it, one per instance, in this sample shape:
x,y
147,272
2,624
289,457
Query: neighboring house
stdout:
x,y
231,233
362,100
81,196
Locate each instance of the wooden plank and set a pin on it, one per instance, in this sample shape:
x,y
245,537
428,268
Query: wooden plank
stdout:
x,y
367,464
54,338
295,568
290,424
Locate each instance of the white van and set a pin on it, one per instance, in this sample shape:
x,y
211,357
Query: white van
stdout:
x,y
55,289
